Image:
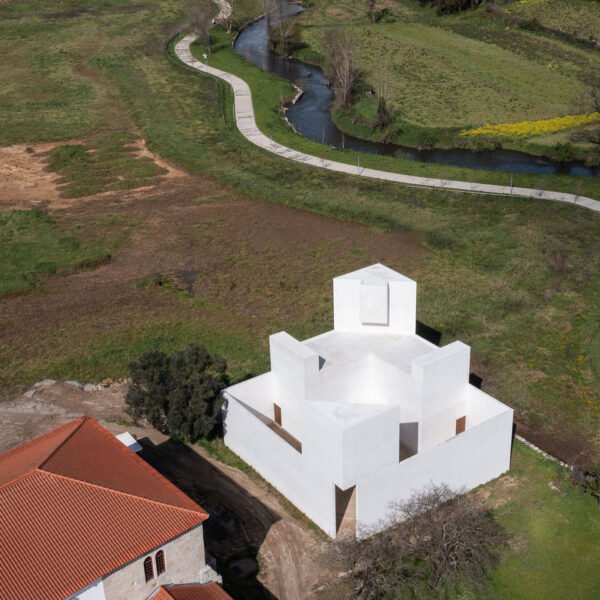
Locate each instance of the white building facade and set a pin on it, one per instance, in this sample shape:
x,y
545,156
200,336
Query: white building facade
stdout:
x,y
366,414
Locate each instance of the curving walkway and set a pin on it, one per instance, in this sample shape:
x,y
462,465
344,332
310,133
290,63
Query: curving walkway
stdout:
x,y
246,122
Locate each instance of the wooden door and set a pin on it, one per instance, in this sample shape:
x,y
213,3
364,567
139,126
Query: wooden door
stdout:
x,y
461,425
277,411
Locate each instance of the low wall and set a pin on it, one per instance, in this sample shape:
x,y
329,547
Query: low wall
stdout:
x,y
468,460
289,471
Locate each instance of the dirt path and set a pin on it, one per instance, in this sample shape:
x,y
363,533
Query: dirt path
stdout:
x,y
246,122
248,521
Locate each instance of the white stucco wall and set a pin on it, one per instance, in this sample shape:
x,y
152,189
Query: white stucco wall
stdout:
x,y
344,395
307,485
95,591
474,457
363,303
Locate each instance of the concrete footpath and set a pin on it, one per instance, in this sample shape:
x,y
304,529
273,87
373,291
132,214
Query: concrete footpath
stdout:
x,y
246,122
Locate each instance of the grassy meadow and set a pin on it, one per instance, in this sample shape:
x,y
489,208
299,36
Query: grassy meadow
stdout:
x,y
580,18
33,246
445,74
269,90
518,280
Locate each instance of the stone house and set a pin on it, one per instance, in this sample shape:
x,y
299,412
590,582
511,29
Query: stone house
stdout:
x,y
84,517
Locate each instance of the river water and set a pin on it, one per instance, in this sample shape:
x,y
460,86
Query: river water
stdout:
x,y
311,117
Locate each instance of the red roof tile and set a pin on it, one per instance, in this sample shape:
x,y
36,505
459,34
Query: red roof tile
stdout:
x,y
77,504
21,459
118,468
207,591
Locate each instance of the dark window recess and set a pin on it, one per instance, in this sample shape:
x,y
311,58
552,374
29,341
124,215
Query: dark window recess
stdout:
x,y
160,562
148,570
409,440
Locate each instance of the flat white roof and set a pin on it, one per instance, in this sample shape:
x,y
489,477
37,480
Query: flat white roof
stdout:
x,y
336,347
377,274
349,413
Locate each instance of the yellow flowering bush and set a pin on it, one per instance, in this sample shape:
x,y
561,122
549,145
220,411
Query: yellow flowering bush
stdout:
x,y
530,128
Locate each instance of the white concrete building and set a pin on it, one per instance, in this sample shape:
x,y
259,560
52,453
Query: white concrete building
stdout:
x,y
365,414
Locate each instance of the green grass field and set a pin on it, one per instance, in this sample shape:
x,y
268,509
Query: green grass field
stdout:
x,y
32,246
516,279
107,164
552,524
269,90
506,275
460,71
580,18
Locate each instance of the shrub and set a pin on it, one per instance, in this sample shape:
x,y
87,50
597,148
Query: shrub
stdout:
x,y
564,152
180,394
427,139
589,481
433,545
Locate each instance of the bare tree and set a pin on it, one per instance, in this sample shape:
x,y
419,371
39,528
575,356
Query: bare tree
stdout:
x,y
588,102
340,66
283,32
372,10
200,20
433,542
230,15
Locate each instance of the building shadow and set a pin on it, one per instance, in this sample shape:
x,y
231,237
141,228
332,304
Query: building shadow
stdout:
x,y
475,380
238,522
429,333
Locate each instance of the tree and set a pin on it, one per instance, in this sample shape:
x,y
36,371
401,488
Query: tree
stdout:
x,y
283,32
431,544
340,66
589,102
200,20
230,14
178,394
372,10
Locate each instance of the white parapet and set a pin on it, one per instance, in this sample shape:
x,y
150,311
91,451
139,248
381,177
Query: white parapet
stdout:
x,y
375,299
367,412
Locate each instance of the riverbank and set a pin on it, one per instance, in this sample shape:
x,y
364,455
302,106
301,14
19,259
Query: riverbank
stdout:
x,y
268,91
360,119
442,75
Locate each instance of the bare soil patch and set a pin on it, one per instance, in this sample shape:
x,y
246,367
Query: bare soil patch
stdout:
x,y
25,183
565,445
52,404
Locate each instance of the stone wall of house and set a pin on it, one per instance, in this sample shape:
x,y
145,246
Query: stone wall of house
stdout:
x,y
184,561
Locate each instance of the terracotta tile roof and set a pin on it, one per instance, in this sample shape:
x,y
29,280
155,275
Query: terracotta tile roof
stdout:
x,y
206,591
21,459
77,504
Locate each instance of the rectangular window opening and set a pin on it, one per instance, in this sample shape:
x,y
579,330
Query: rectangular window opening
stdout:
x,y
409,440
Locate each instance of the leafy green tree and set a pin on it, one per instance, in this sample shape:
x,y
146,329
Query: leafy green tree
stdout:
x,y
180,394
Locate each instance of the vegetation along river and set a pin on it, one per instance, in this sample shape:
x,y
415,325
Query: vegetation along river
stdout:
x,y
311,117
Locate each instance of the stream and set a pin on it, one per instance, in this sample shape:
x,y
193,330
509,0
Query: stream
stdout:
x,y
311,117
